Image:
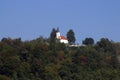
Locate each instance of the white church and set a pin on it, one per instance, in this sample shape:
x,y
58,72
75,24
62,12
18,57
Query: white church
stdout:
x,y
61,38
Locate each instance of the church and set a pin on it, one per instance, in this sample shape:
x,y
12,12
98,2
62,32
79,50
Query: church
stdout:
x,y
61,38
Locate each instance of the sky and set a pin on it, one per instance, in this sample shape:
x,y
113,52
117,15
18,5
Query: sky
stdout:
x,y
30,19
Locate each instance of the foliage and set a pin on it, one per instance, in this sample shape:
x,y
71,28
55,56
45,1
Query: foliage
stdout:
x,y
106,45
3,77
53,35
88,41
71,36
39,60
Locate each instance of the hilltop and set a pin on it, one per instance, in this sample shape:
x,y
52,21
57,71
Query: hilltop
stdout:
x,y
39,59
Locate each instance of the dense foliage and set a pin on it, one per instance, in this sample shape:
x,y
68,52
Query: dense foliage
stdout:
x,y
53,35
88,41
71,36
40,60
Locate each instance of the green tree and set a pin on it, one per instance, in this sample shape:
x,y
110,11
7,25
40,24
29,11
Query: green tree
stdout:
x,y
88,41
53,36
71,36
106,45
3,77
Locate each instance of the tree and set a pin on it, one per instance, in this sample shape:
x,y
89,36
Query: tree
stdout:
x,y
3,77
71,36
105,44
88,41
53,36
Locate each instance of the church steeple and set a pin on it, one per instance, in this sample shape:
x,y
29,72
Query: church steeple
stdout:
x,y
57,29
57,33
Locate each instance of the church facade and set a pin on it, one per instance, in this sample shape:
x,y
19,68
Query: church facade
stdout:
x,y
61,38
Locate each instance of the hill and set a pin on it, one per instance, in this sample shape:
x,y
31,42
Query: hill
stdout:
x,y
40,59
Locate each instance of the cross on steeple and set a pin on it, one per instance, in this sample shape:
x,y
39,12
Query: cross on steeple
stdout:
x,y
57,29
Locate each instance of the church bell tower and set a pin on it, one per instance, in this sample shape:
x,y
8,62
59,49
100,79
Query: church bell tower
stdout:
x,y
58,34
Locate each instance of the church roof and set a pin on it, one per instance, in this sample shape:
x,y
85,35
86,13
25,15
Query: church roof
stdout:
x,y
63,38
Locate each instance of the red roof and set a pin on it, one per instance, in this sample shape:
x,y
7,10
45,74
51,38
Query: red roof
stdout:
x,y
63,37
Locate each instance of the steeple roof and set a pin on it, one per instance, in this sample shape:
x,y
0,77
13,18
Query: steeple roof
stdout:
x,y
58,30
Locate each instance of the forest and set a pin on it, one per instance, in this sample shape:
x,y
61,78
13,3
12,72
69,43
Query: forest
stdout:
x,y
41,59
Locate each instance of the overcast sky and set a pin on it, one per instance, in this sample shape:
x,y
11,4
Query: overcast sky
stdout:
x,y
29,19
